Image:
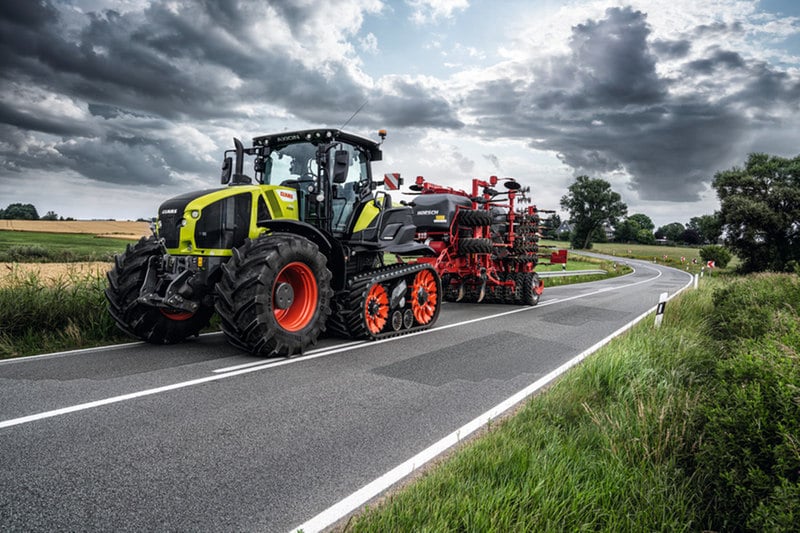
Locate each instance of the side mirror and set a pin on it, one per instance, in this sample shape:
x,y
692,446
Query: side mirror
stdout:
x,y
341,164
227,167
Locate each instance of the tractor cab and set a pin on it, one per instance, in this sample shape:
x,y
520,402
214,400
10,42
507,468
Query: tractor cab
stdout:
x,y
329,171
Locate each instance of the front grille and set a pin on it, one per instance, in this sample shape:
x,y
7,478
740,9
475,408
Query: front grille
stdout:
x,y
170,230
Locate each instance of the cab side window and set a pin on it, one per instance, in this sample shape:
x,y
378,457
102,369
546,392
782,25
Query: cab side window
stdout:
x,y
346,195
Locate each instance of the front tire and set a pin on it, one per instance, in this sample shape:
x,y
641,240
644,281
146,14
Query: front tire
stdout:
x,y
151,324
274,295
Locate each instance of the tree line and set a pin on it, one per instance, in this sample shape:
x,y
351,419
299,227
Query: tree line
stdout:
x,y
758,219
26,212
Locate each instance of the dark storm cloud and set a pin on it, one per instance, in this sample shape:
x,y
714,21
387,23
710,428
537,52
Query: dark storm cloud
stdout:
x,y
718,59
415,104
672,49
604,107
46,124
135,73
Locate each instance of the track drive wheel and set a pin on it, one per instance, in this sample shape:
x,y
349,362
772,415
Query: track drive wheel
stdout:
x,y
425,297
151,324
274,295
376,309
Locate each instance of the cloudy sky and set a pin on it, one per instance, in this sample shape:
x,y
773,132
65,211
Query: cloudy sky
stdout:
x,y
108,107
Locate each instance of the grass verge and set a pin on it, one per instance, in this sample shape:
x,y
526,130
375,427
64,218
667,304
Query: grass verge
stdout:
x,y
688,427
38,316
35,247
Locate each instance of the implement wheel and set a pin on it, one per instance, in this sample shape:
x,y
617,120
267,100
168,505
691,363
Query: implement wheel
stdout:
x,y
274,295
151,324
532,288
474,218
475,246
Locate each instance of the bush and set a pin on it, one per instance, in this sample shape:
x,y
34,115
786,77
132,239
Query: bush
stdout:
x,y
747,460
719,254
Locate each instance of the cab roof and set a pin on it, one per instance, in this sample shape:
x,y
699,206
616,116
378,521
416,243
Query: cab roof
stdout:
x,y
319,135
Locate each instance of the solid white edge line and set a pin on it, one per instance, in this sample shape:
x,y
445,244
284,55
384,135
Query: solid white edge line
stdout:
x,y
352,502
86,350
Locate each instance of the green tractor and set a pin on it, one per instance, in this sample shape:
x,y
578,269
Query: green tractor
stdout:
x,y
294,250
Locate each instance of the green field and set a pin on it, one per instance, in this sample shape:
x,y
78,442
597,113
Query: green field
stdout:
x,y
33,247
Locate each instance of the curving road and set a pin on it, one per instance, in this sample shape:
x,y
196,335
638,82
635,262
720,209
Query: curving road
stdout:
x,y
200,436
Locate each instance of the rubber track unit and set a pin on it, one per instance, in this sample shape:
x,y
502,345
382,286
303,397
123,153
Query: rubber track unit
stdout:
x,y
348,317
140,320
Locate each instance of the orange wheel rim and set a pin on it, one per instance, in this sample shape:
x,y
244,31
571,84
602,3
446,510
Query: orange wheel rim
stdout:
x,y
376,308
424,297
304,303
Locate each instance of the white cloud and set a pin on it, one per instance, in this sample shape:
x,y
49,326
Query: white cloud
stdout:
x,y
432,11
369,44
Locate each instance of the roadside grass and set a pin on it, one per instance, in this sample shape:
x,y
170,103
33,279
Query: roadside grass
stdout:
x,y
578,262
34,247
687,427
38,316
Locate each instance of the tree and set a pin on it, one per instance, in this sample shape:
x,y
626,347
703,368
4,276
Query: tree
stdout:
x,y
760,211
672,232
20,212
644,221
550,227
51,215
645,236
626,231
708,227
591,203
635,228
691,236
719,254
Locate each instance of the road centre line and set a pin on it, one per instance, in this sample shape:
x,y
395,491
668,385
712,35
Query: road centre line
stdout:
x,y
310,352
342,508
255,368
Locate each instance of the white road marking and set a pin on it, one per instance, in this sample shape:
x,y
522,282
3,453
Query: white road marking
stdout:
x,y
310,352
257,367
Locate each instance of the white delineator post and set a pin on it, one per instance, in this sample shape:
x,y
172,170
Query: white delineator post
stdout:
x,y
662,304
696,280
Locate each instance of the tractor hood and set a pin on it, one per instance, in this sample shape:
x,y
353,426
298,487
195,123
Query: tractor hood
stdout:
x,y
171,213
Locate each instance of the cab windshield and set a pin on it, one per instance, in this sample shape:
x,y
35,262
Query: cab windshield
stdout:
x,y
291,164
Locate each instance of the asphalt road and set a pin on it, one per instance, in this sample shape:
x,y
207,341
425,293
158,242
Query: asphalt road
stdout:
x,y
201,437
